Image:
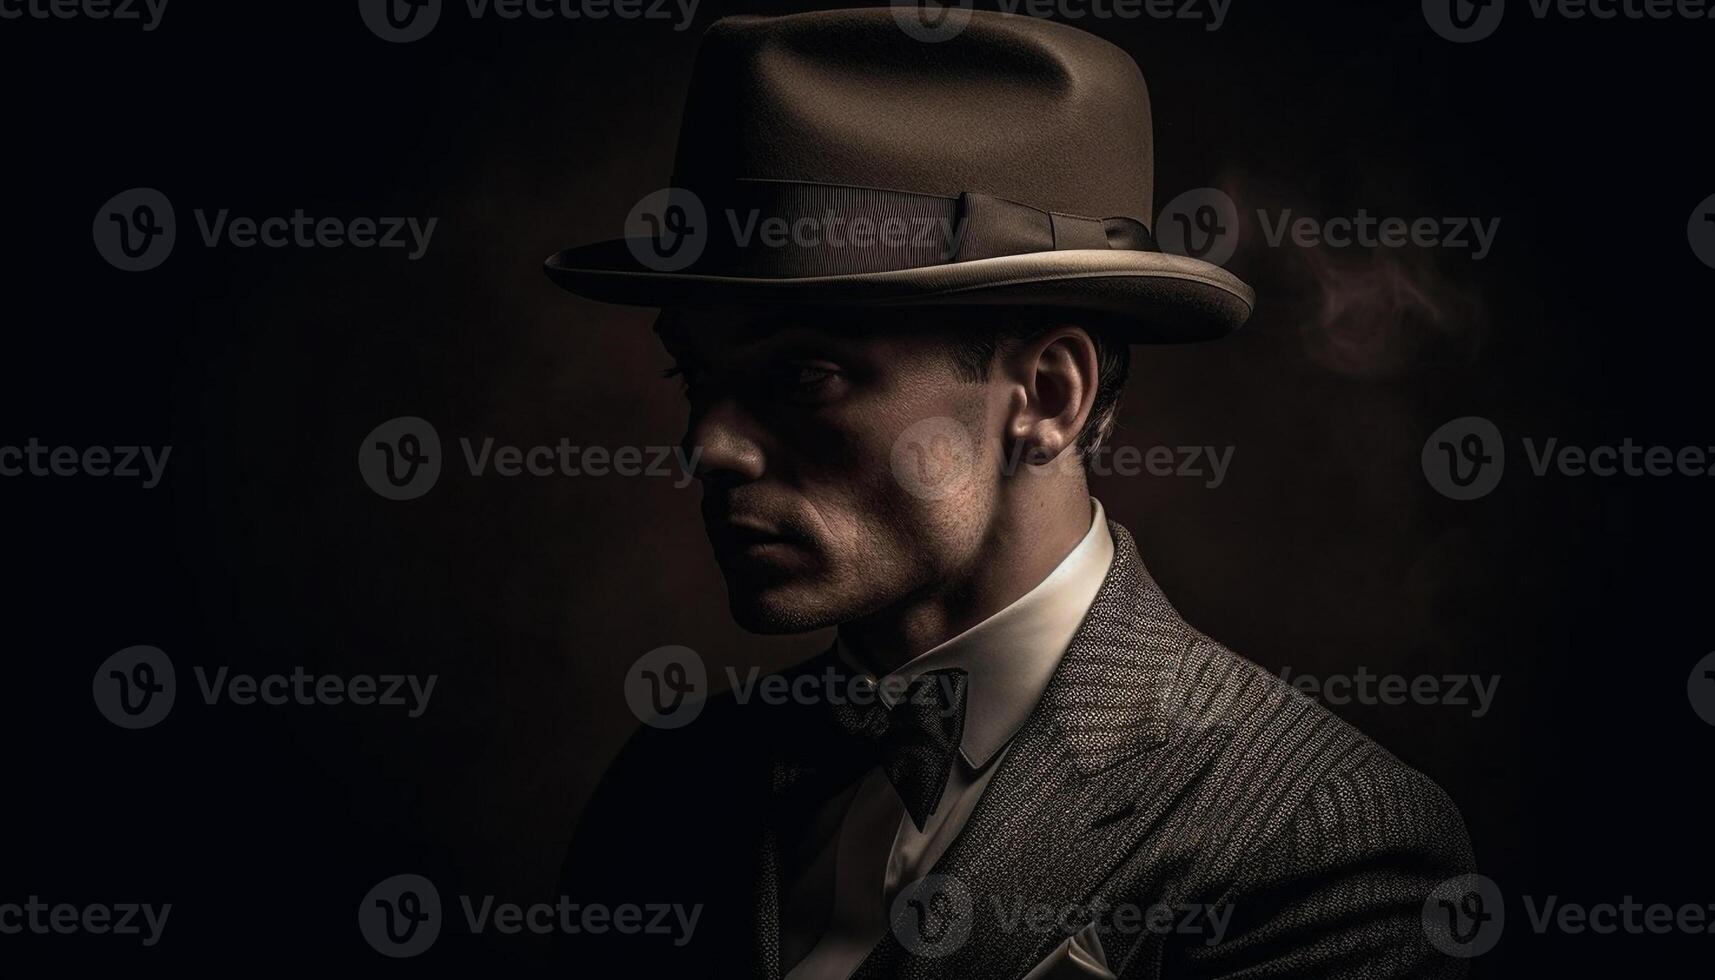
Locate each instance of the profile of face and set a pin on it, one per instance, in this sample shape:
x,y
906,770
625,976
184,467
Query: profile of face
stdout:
x,y
844,467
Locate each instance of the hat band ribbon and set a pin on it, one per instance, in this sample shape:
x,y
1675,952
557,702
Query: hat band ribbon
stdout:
x,y
791,229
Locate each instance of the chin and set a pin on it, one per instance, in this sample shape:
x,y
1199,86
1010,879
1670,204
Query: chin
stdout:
x,y
779,605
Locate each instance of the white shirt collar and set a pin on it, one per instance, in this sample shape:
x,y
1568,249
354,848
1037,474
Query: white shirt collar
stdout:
x,y
1012,655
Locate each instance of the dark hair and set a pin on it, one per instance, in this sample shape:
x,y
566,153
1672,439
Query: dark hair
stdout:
x,y
977,344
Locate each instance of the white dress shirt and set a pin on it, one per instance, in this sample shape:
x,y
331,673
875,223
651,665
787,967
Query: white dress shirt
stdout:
x,y
863,846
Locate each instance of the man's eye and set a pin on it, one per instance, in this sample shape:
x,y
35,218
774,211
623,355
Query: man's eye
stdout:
x,y
806,383
808,375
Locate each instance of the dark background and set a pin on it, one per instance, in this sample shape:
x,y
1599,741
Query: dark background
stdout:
x,y
1324,550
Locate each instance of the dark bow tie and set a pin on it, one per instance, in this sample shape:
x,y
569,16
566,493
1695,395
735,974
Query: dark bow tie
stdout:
x,y
915,740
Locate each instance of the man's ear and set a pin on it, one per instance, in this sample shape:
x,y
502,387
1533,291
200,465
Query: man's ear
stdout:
x,y
1055,375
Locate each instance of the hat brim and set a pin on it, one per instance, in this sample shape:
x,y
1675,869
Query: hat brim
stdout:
x,y
1147,297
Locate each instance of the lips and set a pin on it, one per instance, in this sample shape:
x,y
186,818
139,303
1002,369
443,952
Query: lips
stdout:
x,y
749,539
745,534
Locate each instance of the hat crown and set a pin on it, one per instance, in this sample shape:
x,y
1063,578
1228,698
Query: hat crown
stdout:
x,y
1015,107
1008,164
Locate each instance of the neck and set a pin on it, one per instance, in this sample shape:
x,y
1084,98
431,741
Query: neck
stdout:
x,y
1025,543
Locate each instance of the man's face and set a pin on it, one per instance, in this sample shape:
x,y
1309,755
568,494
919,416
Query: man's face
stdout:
x,y
843,469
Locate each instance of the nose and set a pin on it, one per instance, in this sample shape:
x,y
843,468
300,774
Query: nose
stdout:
x,y
724,439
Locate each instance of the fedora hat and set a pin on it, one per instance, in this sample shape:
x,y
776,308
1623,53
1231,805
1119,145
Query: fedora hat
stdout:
x,y
841,159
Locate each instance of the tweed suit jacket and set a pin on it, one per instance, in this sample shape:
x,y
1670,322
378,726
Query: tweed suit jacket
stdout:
x,y
1160,775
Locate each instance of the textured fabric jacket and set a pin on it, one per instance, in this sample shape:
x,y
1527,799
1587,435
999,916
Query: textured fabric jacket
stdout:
x,y
1160,771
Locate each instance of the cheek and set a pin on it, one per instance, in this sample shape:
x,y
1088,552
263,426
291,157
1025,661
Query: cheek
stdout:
x,y
914,479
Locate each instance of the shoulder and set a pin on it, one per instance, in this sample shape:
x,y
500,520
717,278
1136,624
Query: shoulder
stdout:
x,y
1270,762
1323,845
1291,790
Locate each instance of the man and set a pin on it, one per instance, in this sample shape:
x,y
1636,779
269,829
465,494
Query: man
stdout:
x,y
1017,760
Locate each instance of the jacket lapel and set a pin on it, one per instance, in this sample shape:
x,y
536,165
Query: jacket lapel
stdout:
x,y
797,782
766,946
1093,770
